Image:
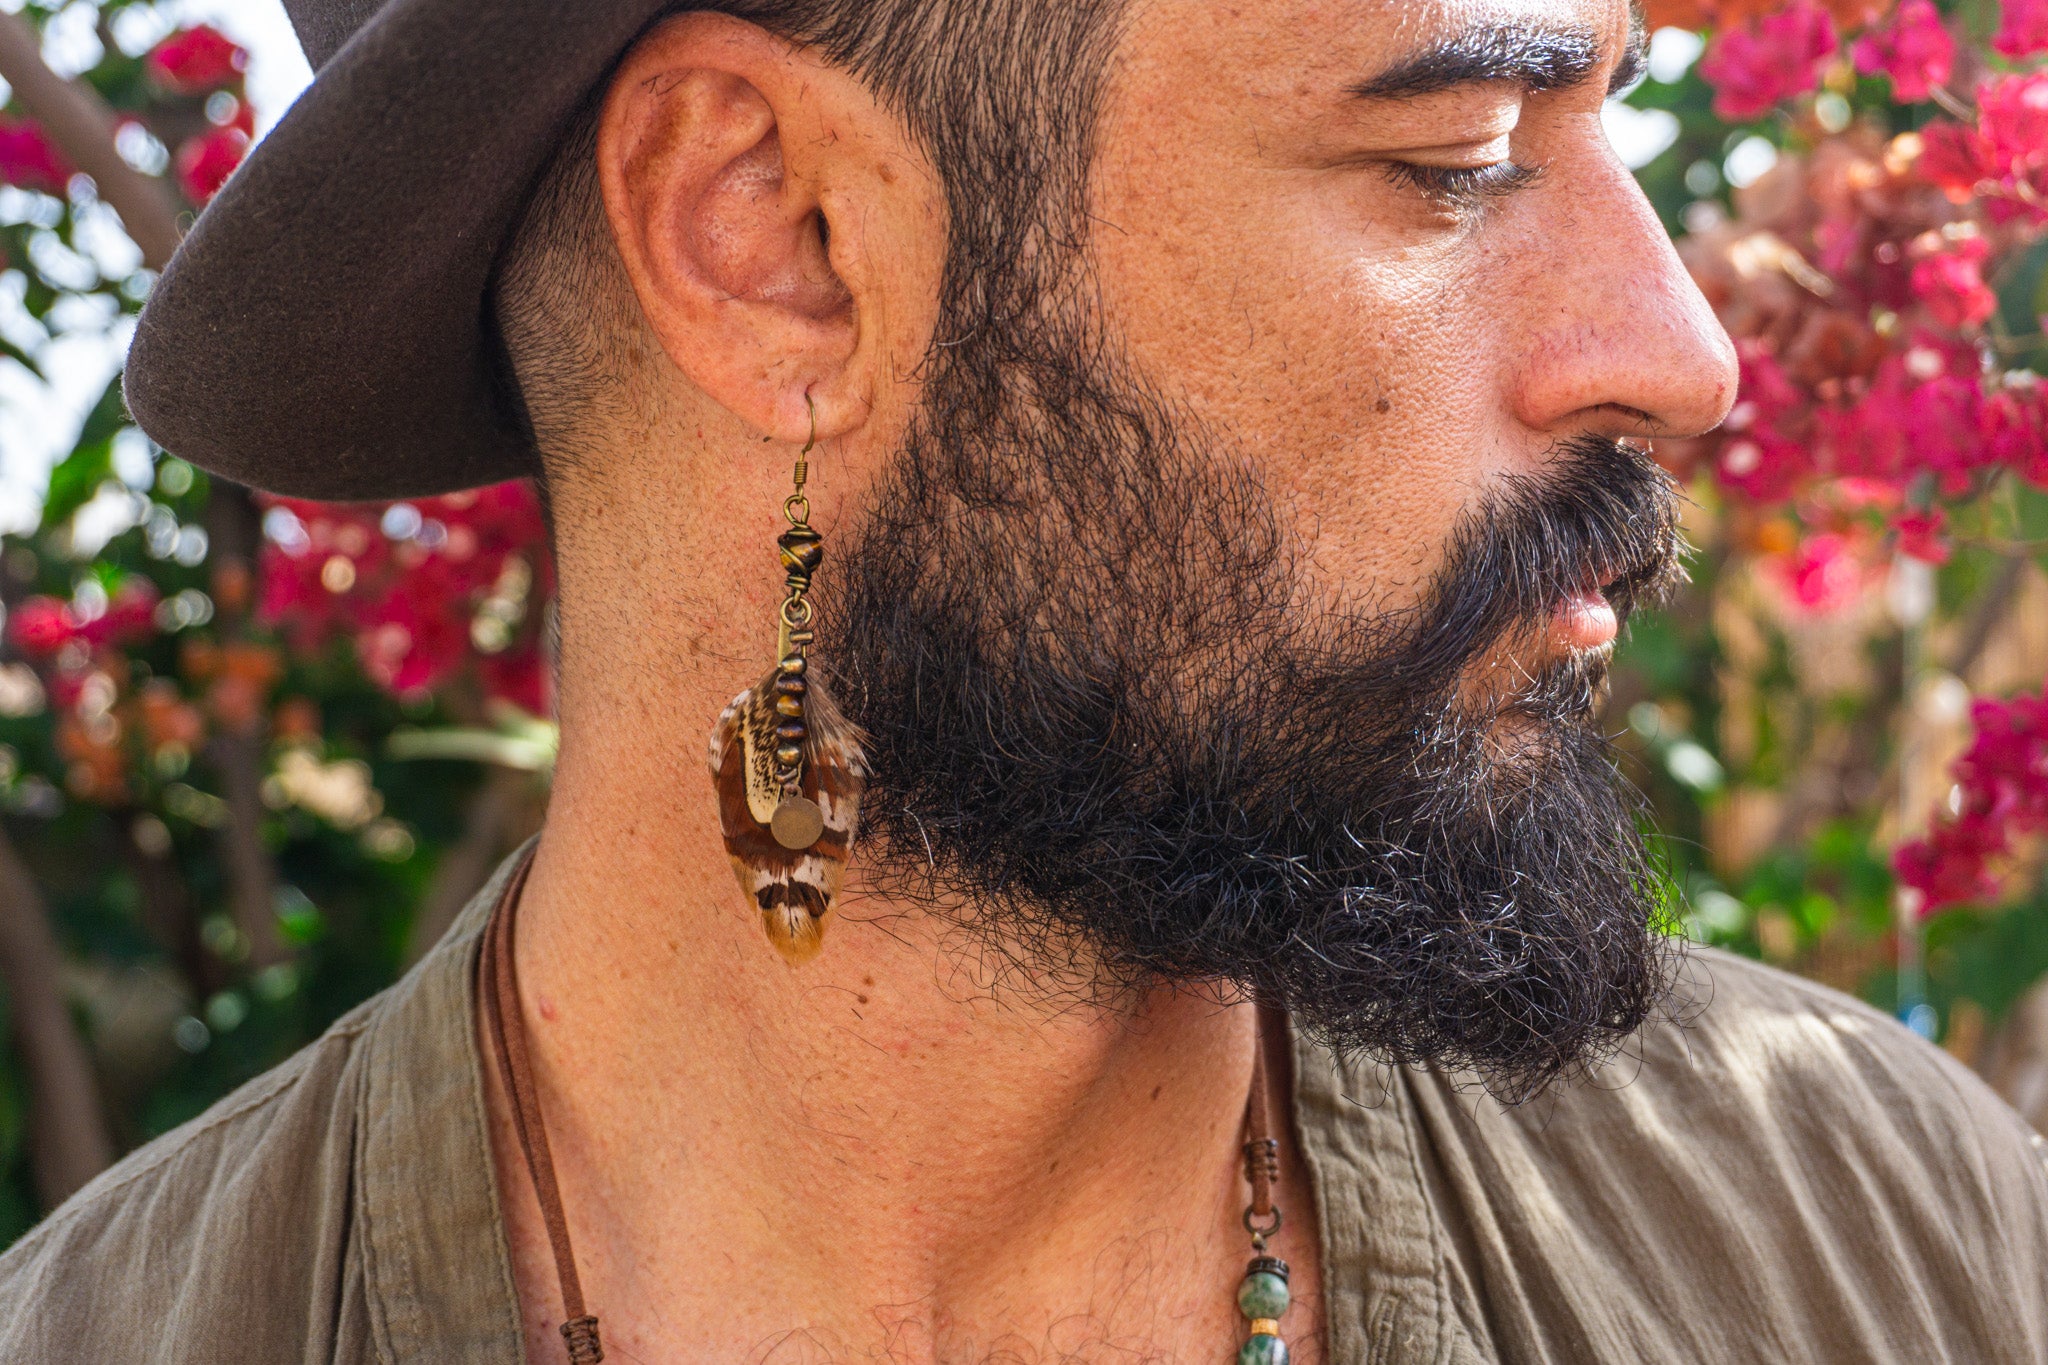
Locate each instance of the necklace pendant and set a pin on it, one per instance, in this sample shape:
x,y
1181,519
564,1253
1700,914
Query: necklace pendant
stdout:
x,y
1262,1297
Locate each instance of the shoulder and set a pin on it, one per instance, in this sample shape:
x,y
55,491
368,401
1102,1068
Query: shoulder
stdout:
x,y
212,1235
1755,1055
1790,1079
1775,1171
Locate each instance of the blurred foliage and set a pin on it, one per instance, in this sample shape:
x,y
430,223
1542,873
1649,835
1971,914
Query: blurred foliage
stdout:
x,y
140,646
1788,746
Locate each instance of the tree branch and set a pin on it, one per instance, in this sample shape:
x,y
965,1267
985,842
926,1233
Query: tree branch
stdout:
x,y
234,529
167,909
1989,614
69,1142
82,126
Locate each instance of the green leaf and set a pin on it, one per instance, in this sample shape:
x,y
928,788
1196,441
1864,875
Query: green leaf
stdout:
x,y
2031,505
75,480
21,357
91,461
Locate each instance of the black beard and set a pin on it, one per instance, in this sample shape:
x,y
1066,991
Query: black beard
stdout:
x,y
1111,728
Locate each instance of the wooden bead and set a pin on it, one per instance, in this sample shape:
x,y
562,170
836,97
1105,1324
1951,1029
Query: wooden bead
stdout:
x,y
790,731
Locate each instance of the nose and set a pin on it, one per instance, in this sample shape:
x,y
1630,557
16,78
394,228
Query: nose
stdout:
x,y
1620,341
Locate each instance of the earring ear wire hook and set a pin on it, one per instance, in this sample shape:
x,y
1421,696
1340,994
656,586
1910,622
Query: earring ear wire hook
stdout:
x,y
796,506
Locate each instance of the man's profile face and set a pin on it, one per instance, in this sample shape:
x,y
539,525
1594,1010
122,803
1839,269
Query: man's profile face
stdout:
x,y
1391,285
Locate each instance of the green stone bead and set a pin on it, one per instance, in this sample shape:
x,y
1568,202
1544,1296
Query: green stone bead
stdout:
x,y
1262,1295
1262,1350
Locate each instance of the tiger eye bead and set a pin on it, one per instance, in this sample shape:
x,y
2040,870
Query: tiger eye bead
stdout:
x,y
789,706
788,754
802,550
792,667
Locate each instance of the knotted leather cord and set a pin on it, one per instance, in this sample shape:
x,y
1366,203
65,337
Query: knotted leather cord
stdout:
x,y
498,987
1261,1151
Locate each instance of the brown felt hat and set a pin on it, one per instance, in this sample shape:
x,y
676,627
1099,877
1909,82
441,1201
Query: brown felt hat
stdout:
x,y
321,331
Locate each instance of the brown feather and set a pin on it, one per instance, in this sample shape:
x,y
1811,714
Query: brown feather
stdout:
x,y
792,889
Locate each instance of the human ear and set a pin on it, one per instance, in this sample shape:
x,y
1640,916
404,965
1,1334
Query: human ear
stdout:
x,y
733,182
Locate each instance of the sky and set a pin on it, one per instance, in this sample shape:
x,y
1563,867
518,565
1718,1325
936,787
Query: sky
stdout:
x,y
39,421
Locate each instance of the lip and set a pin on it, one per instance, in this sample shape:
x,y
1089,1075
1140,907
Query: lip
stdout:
x,y
1585,620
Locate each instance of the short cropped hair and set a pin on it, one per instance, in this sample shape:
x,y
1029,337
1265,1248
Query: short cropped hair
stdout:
x,y
1004,97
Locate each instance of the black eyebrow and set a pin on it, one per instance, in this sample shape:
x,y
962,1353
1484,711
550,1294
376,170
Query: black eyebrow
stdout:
x,y
1531,57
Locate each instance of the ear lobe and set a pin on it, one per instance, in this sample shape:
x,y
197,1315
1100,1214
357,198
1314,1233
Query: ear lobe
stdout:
x,y
725,245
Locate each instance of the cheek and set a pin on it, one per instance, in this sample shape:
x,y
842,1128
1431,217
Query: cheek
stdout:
x,y
1360,383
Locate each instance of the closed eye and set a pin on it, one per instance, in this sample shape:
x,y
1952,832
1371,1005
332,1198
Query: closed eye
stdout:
x,y
1464,188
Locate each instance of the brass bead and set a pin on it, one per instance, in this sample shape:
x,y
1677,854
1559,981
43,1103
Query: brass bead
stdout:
x,y
793,707
1265,1327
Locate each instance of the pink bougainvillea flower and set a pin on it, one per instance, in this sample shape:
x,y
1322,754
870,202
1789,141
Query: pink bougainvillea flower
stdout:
x,y
130,616
1824,573
28,160
521,677
1954,159
2024,28
239,116
2004,159
40,626
197,61
1950,282
2001,790
2012,133
1763,465
1923,412
2012,117
2014,420
1952,865
1912,47
407,583
1760,458
205,162
1772,58
1924,535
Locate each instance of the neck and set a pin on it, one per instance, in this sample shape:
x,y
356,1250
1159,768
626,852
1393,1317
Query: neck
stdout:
x,y
880,1151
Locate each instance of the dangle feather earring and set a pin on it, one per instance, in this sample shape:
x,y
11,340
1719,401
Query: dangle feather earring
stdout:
x,y
788,765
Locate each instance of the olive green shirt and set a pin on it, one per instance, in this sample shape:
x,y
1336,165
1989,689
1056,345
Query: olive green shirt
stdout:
x,y
1787,1177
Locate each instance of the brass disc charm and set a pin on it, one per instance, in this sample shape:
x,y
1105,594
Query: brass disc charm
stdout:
x,y
797,823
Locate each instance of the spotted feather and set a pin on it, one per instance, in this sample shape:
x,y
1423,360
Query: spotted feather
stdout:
x,y
792,889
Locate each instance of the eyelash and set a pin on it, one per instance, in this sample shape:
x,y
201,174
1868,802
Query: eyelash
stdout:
x,y
1464,188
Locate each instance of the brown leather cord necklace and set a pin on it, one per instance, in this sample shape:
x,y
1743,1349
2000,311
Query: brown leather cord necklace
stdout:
x,y
1262,1296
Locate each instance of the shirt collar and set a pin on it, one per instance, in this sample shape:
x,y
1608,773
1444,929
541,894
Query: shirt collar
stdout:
x,y
438,1275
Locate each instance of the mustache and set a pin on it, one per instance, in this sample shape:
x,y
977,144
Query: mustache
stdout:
x,y
1601,514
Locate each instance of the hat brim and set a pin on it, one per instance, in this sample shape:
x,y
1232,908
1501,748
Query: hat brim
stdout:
x,y
321,332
